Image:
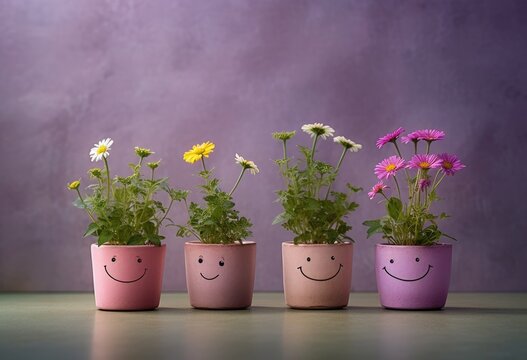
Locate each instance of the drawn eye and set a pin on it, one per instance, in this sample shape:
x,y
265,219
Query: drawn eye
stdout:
x,y
114,259
332,258
200,260
139,260
222,263
417,259
391,261
308,258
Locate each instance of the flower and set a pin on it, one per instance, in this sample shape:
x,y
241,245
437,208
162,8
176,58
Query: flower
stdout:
x,y
199,151
74,185
390,137
450,163
413,136
95,173
153,165
424,162
101,149
143,152
424,183
347,143
284,135
318,129
430,134
388,167
247,164
377,189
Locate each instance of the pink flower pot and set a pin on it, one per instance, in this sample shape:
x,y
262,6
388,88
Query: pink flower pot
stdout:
x,y
220,276
127,277
413,277
317,276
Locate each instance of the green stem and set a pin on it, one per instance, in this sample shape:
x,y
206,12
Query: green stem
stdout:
x,y
428,143
398,188
237,181
336,170
401,156
107,175
168,210
203,163
152,174
314,146
415,147
190,230
85,206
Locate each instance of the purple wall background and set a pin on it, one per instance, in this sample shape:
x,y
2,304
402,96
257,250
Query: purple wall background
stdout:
x,y
167,74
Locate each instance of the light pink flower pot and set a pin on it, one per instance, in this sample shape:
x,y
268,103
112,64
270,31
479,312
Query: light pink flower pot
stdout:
x,y
127,277
220,276
413,277
317,276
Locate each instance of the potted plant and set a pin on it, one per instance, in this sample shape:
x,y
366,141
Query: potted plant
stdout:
x,y
219,265
128,259
317,263
412,267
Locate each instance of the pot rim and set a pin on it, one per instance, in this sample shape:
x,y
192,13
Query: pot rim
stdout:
x,y
438,245
290,243
199,243
129,246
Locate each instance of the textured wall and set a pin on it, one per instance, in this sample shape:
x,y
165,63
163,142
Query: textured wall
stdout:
x,y
167,74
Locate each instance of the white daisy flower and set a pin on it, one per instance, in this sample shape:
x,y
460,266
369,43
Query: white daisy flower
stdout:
x,y
347,143
247,164
101,149
318,129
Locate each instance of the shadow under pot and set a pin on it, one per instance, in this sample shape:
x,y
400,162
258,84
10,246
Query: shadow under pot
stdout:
x,y
317,276
127,277
220,276
413,277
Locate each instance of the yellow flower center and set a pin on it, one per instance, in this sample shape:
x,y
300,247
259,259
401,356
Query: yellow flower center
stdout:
x,y
447,165
424,165
390,167
102,149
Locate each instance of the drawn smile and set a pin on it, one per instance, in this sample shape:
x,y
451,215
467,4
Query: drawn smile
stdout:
x,y
419,278
329,278
123,281
206,278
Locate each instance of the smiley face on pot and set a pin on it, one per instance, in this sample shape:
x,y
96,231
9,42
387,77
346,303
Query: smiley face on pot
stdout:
x,y
311,269
414,269
210,272
129,268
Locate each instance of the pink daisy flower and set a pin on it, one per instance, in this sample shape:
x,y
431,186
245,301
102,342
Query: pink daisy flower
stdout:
x,y
388,167
376,189
424,162
424,183
391,137
429,134
413,136
450,163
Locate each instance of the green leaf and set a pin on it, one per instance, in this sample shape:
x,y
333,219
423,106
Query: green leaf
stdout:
x,y
394,207
104,237
136,240
92,229
374,226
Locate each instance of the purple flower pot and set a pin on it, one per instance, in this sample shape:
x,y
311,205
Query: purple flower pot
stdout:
x,y
413,277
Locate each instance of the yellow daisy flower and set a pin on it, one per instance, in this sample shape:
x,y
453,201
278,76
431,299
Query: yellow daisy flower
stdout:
x,y
74,185
198,151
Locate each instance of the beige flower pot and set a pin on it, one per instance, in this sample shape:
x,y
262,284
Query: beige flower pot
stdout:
x,y
317,276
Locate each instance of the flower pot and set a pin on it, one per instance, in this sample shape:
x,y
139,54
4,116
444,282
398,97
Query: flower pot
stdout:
x,y
413,277
317,276
220,276
127,277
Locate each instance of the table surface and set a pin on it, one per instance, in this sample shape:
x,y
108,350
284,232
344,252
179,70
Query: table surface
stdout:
x,y
67,326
